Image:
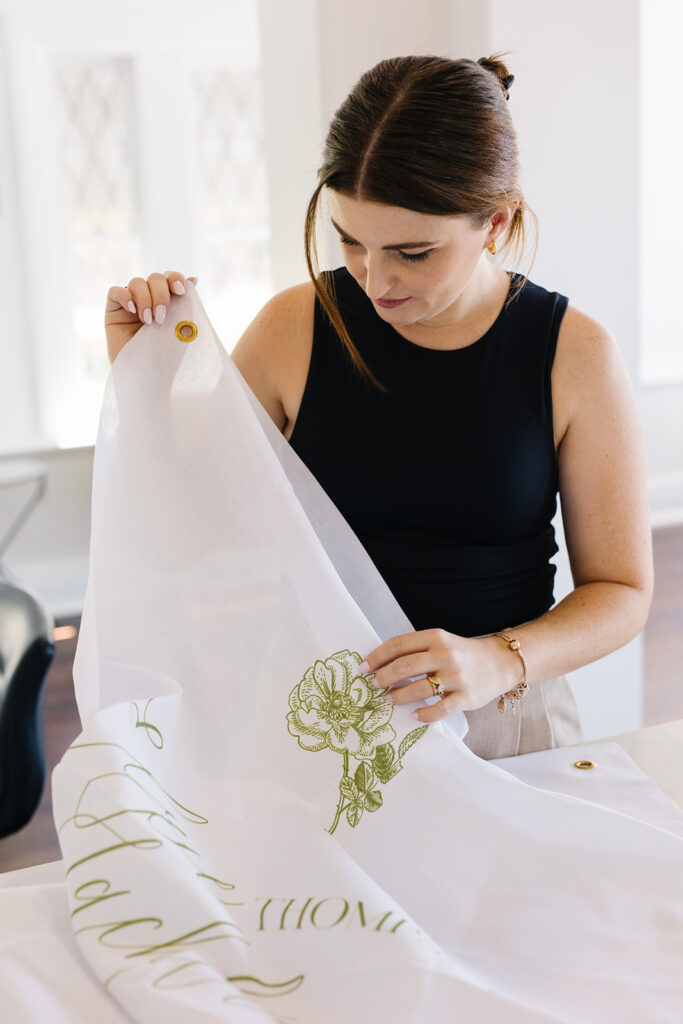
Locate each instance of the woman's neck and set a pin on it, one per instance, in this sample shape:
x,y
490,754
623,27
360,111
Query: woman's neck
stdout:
x,y
468,318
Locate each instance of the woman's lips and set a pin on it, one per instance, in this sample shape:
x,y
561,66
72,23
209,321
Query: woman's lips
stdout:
x,y
391,303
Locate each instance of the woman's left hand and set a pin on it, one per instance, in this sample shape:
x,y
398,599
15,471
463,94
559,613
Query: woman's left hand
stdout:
x,y
472,670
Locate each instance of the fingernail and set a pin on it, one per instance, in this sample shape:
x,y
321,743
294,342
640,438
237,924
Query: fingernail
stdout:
x,y
131,307
415,714
363,668
147,315
160,314
178,288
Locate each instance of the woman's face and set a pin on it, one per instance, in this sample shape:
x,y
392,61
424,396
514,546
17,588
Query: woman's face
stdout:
x,y
414,266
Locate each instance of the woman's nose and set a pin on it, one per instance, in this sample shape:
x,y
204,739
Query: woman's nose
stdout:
x,y
378,279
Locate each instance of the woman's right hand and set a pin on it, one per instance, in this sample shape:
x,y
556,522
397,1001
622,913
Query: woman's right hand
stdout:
x,y
140,302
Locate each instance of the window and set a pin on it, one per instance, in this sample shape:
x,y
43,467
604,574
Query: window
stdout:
x,y
232,195
100,210
134,149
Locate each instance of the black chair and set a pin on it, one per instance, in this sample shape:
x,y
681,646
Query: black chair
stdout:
x,y
26,650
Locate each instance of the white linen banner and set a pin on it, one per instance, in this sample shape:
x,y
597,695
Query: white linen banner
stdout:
x,y
251,831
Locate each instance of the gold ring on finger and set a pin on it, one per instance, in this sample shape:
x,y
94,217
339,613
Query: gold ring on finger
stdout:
x,y
437,685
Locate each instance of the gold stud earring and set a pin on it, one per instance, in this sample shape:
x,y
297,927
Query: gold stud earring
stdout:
x,y
492,248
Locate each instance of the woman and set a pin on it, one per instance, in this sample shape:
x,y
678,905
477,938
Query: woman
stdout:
x,y
443,403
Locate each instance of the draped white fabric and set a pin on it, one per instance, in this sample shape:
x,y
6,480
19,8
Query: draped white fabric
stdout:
x,y
251,832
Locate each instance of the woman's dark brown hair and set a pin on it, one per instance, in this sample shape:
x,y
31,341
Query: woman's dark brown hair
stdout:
x,y
428,134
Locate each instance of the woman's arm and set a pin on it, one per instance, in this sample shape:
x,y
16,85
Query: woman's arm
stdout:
x,y
603,491
273,354
605,512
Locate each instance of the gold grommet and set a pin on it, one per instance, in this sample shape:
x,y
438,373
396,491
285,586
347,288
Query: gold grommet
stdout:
x,y
584,764
188,336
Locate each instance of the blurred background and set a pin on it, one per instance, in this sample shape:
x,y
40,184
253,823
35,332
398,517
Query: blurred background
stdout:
x,y
142,136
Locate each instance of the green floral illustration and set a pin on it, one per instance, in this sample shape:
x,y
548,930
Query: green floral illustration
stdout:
x,y
334,707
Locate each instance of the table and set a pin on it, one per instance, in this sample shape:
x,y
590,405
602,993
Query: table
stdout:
x,y
658,751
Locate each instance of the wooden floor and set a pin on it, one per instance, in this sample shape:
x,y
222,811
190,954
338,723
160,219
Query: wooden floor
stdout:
x,y
37,842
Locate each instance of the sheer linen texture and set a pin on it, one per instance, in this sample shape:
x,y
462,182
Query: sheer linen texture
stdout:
x,y
250,830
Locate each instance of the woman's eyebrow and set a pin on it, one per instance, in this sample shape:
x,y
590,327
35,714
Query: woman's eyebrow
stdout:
x,y
400,245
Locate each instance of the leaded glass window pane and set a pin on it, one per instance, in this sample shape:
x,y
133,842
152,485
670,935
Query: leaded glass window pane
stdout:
x,y
232,196
97,153
96,145
232,178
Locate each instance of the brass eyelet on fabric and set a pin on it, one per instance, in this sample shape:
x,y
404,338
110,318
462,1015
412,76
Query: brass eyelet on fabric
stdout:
x,y
584,764
186,331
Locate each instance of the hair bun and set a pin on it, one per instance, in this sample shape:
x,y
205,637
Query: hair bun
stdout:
x,y
496,67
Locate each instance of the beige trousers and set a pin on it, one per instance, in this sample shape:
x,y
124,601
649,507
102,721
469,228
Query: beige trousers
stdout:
x,y
546,717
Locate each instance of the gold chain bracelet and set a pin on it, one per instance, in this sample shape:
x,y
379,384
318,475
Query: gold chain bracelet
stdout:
x,y
512,696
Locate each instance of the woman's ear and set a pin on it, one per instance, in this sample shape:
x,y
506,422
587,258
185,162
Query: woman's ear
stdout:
x,y
501,219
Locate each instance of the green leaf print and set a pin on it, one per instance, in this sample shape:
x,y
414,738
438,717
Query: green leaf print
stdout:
x,y
385,755
348,788
373,801
408,741
364,777
354,812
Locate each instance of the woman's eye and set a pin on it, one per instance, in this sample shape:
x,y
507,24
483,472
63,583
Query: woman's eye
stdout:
x,y
414,257
408,257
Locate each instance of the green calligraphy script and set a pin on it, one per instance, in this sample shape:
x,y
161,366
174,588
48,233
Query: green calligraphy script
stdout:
x,y
334,707
153,733
324,914
115,915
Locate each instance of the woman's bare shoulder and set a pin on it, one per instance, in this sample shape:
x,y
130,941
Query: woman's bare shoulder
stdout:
x,y
582,338
587,364
274,352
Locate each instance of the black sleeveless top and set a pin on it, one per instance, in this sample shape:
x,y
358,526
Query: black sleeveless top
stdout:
x,y
449,479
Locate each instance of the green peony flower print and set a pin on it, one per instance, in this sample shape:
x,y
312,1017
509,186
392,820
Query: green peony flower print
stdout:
x,y
335,707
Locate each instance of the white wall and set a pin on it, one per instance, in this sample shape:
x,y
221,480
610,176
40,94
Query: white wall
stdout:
x,y
294,126
661,221
356,34
661,228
